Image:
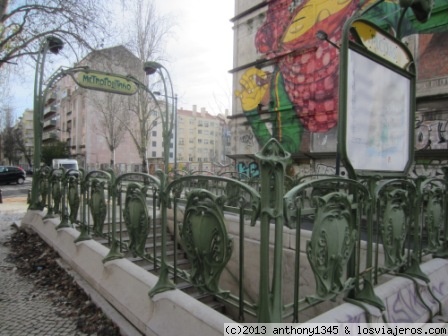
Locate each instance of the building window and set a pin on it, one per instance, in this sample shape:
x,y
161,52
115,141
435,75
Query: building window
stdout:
x,y
154,133
153,154
154,143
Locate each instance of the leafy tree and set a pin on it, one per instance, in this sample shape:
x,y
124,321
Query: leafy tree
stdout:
x,y
54,150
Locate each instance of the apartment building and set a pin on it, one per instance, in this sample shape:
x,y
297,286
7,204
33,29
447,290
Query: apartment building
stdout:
x,y
26,125
23,155
73,114
203,140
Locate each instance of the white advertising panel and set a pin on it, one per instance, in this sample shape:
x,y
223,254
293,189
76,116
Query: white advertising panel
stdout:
x,y
378,112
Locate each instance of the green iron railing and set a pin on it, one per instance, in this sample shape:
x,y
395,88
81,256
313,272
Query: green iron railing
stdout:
x,y
347,233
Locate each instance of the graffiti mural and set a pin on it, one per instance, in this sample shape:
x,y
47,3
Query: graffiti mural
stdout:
x,y
431,134
296,89
250,169
432,168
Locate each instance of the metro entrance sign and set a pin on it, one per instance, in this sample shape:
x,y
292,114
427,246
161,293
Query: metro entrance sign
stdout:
x,y
97,80
377,102
84,77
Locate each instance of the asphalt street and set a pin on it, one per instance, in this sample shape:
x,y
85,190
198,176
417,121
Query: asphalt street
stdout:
x,y
14,190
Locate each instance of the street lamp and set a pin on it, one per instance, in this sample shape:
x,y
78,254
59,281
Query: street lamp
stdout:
x,y
157,93
167,117
52,44
323,36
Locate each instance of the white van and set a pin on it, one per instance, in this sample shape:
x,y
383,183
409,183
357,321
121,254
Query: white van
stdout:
x,y
65,163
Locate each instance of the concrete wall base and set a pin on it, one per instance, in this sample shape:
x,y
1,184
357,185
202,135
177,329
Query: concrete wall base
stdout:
x,y
400,296
125,286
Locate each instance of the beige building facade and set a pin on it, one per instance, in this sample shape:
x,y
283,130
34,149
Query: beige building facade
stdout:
x,y
203,140
73,115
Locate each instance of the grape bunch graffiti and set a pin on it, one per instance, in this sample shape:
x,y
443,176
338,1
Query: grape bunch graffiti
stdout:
x,y
299,87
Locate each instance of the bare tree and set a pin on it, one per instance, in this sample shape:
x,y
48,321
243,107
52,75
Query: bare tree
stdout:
x,y
147,40
20,144
81,23
8,137
147,36
144,118
113,120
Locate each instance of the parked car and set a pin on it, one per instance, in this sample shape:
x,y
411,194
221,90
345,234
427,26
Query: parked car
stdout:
x,y
11,174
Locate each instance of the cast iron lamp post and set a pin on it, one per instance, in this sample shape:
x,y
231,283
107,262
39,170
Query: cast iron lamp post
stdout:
x,y
167,116
54,45
157,93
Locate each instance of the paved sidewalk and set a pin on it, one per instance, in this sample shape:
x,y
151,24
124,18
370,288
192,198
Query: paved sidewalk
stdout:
x,y
24,309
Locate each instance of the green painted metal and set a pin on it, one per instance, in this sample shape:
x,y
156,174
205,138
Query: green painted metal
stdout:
x,y
332,243
65,223
336,211
164,283
395,199
394,227
435,207
273,161
205,239
97,205
43,179
351,41
84,234
136,218
55,190
38,106
73,197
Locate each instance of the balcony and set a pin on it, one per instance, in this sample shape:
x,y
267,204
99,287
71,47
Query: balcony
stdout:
x,y
49,136
50,110
49,124
51,98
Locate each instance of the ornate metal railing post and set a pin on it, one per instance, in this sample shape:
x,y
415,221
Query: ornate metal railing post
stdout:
x,y
114,252
273,160
84,235
64,208
53,195
73,197
443,252
164,282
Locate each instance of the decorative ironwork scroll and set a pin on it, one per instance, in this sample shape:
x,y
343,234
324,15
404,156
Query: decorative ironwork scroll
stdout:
x,y
136,218
205,239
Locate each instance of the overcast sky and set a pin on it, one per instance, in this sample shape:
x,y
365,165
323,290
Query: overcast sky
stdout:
x,y
199,53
